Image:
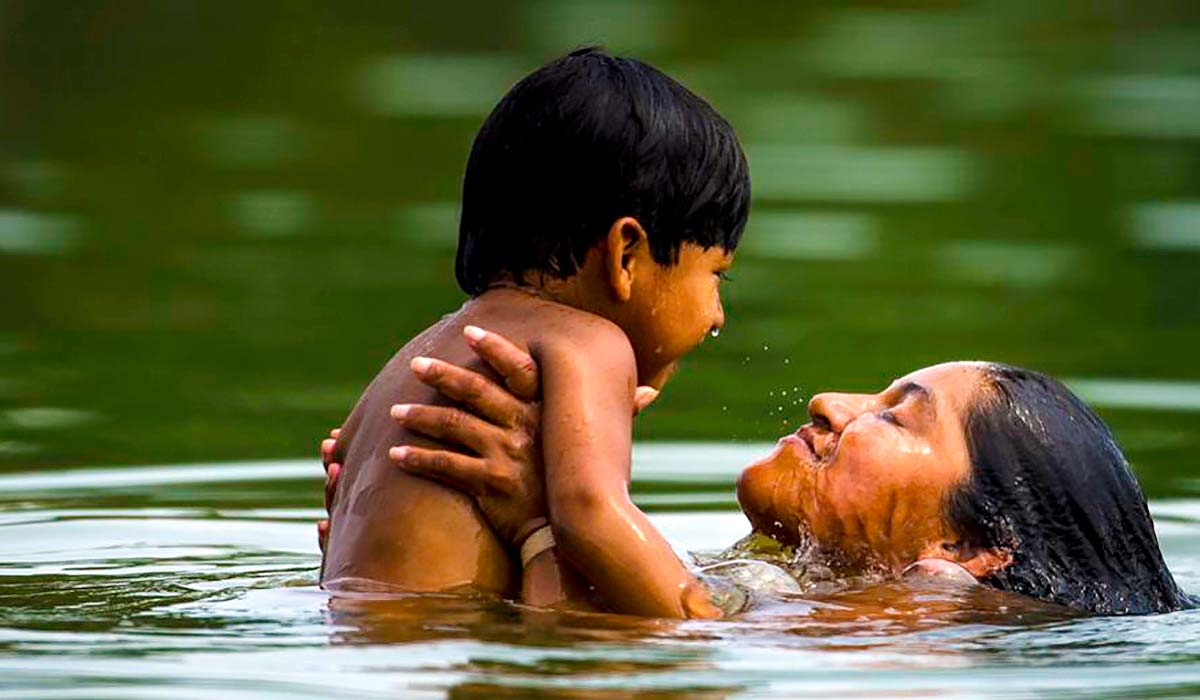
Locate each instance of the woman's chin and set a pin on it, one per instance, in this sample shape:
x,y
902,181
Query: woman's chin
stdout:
x,y
755,498
768,491
753,495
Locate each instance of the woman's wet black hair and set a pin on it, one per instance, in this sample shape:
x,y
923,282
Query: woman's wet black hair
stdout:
x,y
1049,484
582,142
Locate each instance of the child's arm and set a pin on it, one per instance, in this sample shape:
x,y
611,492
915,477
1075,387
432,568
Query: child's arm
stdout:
x,y
588,378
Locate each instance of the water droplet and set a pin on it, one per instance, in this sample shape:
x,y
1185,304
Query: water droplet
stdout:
x,y
766,347
787,360
779,408
715,332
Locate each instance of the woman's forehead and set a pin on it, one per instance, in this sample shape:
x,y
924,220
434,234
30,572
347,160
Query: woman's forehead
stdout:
x,y
954,383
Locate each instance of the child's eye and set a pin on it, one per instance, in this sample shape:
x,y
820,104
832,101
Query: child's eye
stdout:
x,y
724,276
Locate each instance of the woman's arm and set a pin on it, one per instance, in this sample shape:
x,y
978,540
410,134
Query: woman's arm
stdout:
x,y
506,474
505,478
620,550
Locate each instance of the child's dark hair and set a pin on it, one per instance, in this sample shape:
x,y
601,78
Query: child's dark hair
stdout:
x,y
582,142
1049,483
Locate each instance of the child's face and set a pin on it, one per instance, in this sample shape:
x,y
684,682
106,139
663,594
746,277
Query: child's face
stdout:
x,y
674,308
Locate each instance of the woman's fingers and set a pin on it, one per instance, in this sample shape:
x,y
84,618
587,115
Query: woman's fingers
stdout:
x,y
478,392
466,474
331,477
327,446
322,534
518,368
449,425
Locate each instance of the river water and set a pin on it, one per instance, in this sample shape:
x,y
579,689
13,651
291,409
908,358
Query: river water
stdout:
x,y
217,221
200,581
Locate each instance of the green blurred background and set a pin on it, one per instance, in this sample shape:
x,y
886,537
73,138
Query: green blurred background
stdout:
x,y
219,219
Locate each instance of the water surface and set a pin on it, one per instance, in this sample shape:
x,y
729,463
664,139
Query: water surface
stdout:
x,y
218,221
200,581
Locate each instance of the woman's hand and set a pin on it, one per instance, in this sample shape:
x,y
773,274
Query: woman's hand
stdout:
x,y
503,428
332,469
505,479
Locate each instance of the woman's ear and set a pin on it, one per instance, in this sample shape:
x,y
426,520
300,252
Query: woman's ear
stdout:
x,y
980,563
625,244
985,562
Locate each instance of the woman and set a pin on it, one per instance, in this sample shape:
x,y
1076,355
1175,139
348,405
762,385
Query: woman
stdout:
x,y
966,466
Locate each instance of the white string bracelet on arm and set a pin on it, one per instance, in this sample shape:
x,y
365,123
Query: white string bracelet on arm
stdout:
x,y
539,541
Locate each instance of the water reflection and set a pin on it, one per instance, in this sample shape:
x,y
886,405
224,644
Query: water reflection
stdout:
x,y
30,233
1166,226
222,259
1155,395
215,226
892,174
813,235
437,85
209,581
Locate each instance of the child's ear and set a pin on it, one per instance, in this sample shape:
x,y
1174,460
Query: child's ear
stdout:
x,y
625,244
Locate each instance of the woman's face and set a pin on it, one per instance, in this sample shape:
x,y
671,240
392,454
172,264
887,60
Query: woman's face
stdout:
x,y
867,478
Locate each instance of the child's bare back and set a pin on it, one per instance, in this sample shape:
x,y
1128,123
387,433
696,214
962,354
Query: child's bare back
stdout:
x,y
602,203
396,529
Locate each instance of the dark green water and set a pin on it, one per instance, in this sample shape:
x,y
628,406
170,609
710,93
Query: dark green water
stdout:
x,y
217,220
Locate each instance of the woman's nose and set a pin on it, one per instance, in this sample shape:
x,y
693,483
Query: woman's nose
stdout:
x,y
834,411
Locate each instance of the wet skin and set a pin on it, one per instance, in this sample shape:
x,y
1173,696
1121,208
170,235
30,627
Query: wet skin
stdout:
x,y
868,477
621,320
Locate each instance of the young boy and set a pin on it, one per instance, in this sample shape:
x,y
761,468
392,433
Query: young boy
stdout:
x,y
601,207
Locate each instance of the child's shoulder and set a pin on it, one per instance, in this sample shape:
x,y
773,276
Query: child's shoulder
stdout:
x,y
565,325
586,363
555,332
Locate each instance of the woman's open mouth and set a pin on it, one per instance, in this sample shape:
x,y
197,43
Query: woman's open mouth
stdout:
x,y
807,440
802,439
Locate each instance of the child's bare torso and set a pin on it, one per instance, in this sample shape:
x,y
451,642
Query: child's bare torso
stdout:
x,y
402,530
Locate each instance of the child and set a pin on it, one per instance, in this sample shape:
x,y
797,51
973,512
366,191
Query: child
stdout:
x,y
601,207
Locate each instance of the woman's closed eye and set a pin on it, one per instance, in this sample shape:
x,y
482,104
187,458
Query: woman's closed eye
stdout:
x,y
888,416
